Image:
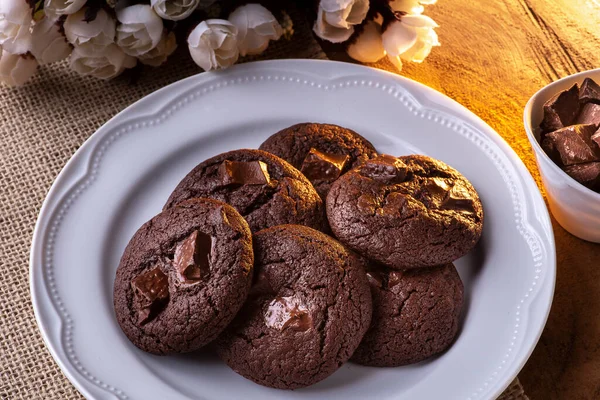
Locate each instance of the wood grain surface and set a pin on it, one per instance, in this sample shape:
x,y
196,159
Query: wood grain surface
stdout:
x,y
495,55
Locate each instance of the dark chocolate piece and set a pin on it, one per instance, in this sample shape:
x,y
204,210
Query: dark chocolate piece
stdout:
x,y
394,278
375,278
561,110
367,204
590,114
596,138
384,168
395,204
288,312
459,199
573,144
434,191
192,257
322,166
244,173
151,291
587,174
589,92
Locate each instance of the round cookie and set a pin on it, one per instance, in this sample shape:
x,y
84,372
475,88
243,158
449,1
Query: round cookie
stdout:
x,y
415,315
322,152
265,189
183,277
306,313
406,212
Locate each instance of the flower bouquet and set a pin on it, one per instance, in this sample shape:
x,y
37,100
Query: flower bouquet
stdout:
x,y
103,38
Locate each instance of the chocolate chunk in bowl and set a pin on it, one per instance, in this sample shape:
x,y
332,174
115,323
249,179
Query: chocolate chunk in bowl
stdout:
x,y
590,114
589,92
572,145
587,174
561,110
578,141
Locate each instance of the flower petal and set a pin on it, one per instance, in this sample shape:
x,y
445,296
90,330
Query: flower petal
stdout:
x,y
398,38
419,21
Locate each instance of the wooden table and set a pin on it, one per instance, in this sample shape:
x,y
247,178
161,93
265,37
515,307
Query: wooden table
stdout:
x,y
495,55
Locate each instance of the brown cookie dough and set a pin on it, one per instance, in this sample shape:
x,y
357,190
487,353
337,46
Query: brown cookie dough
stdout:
x,y
265,189
415,315
406,212
183,277
308,310
322,152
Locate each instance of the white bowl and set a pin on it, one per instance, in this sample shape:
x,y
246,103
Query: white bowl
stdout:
x,y
575,207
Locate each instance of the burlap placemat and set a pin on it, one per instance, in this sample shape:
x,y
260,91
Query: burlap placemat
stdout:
x,y
41,127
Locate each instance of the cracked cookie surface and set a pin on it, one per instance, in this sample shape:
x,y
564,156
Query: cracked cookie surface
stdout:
x,y
406,212
415,315
265,189
294,144
308,309
183,276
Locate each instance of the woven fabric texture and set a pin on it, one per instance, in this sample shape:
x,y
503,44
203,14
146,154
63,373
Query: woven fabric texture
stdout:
x,y
41,127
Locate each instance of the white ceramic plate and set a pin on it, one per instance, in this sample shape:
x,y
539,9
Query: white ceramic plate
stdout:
x,y
124,173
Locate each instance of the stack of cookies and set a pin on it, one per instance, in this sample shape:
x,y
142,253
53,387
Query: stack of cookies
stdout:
x,y
295,258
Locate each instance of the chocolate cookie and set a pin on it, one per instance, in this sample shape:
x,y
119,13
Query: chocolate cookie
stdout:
x,y
306,313
183,277
265,189
322,152
415,315
406,212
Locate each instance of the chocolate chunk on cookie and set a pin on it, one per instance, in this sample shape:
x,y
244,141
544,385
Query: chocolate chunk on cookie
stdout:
x,y
406,212
415,315
308,310
265,189
183,277
322,152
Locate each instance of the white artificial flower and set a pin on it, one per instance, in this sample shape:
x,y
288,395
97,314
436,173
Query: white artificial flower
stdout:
x,y
48,43
105,63
63,7
256,26
15,26
410,6
16,69
174,10
100,31
409,39
158,55
368,47
213,44
140,29
344,13
336,18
